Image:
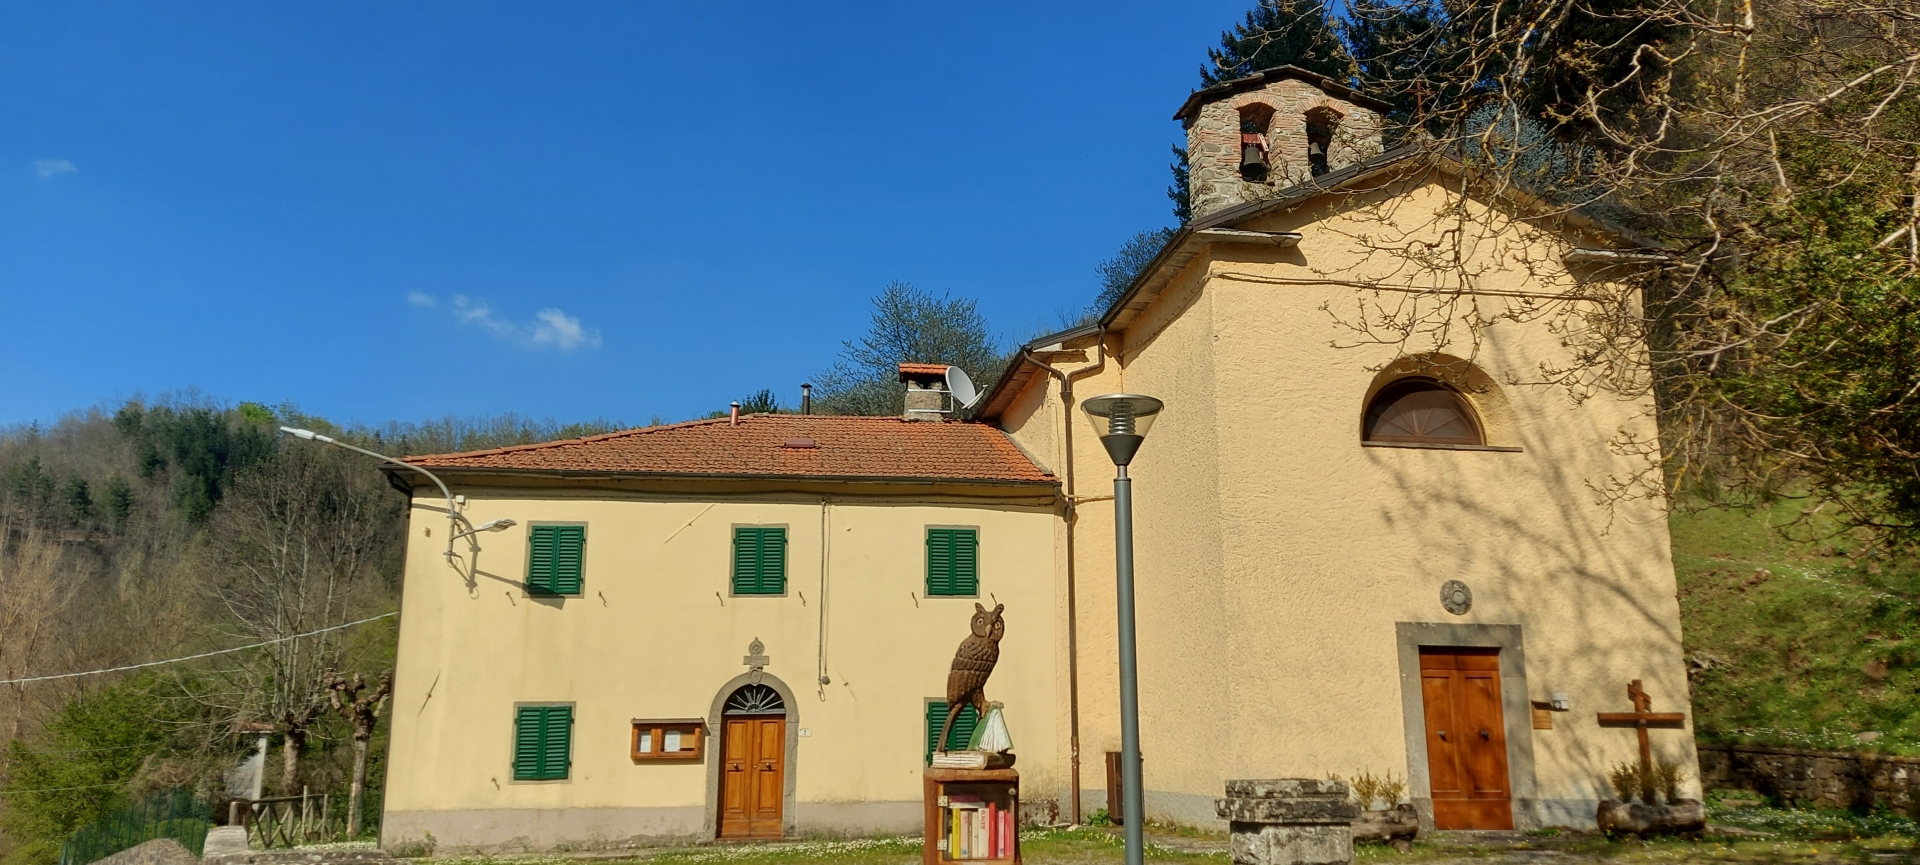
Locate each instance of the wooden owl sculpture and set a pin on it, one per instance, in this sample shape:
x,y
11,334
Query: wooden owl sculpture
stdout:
x,y
972,664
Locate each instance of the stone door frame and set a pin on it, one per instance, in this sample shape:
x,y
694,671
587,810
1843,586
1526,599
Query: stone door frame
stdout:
x,y
1516,710
717,755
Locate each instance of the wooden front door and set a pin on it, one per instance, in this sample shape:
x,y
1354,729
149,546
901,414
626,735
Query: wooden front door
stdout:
x,y
753,776
1466,738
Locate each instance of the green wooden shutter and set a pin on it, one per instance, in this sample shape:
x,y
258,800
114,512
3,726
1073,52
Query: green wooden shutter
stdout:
x,y
527,739
541,570
542,743
959,736
569,558
953,562
556,752
966,563
555,558
759,561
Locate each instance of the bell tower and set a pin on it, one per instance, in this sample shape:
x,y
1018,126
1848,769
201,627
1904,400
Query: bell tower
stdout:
x,y
1250,138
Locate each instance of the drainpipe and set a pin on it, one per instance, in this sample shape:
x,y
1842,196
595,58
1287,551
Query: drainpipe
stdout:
x,y
825,523
1073,616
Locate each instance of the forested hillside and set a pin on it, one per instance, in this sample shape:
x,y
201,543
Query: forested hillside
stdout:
x,y
165,529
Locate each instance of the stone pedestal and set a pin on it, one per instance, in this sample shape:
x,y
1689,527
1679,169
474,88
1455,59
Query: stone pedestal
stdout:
x,y
1289,821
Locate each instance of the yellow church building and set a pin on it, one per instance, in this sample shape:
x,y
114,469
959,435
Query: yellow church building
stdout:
x,y
1351,555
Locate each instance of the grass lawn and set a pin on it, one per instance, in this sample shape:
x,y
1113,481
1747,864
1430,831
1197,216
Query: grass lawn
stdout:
x,y
1811,644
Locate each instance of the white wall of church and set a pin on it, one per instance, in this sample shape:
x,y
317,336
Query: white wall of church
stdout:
x,y
1276,554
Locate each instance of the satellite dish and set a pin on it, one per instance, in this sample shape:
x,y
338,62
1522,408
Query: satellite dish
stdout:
x,y
961,387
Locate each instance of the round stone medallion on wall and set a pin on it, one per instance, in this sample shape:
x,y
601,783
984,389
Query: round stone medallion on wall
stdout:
x,y
1456,597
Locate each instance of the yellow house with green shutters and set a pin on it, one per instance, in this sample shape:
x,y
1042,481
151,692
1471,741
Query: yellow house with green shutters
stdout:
x,y
1352,555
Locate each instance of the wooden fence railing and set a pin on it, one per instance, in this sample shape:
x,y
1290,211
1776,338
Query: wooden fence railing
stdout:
x,y
291,821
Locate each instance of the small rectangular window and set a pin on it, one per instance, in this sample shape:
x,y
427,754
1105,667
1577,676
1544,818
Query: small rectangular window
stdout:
x,y
953,562
555,554
759,560
959,737
542,743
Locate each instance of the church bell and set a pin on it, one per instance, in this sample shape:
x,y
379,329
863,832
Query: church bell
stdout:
x,y
1252,157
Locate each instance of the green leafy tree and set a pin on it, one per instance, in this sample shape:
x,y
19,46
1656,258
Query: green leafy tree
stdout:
x,y
1797,373
79,770
763,402
909,325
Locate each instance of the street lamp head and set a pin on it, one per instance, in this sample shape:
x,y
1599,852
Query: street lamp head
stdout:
x,y
495,526
1121,420
307,434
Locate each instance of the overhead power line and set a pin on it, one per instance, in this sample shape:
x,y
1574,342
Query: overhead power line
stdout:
x,y
192,657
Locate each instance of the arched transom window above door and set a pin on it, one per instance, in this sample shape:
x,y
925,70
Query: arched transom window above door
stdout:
x,y
755,700
1422,411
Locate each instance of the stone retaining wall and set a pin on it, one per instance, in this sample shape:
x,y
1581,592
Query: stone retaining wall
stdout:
x,y
1815,779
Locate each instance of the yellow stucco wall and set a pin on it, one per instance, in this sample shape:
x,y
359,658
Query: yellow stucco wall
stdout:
x,y
656,634
1277,555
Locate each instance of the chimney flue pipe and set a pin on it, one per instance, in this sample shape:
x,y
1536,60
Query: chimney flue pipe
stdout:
x,y
806,398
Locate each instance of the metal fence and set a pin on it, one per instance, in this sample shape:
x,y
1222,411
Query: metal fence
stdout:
x,y
293,821
175,814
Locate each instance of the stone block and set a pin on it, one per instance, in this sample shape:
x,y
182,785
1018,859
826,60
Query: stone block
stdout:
x,y
1286,788
1271,844
1287,810
1289,821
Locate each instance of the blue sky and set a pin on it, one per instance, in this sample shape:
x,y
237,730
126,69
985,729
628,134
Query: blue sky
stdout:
x,y
574,210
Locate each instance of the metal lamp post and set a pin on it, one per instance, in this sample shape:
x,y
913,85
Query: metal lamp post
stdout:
x,y
454,518
1121,420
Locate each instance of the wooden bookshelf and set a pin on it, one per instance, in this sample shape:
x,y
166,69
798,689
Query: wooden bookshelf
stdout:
x,y
983,805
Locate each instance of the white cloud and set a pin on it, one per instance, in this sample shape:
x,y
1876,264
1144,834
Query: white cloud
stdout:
x,y
52,168
562,331
550,328
421,299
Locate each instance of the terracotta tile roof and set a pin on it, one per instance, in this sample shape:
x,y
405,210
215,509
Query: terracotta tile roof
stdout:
x,y
920,369
777,445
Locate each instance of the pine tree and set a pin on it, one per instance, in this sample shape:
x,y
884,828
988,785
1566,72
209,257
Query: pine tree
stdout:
x,y
79,498
1279,32
1118,273
119,500
1181,192
1400,50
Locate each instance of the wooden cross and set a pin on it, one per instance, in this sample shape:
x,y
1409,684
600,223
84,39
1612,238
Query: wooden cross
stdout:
x,y
1641,719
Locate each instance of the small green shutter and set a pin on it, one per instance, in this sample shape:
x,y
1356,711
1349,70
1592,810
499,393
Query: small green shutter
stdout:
x,y
760,560
542,743
959,736
555,559
953,562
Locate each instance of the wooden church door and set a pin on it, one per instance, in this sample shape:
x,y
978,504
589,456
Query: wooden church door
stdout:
x,y
1466,738
753,769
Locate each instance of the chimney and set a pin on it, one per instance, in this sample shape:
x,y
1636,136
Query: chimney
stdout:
x,y
733,417
926,390
806,398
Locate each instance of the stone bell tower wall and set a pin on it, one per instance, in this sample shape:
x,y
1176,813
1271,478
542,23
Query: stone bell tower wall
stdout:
x,y
1213,138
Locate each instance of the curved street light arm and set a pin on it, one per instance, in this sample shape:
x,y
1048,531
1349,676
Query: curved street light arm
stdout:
x,y
454,517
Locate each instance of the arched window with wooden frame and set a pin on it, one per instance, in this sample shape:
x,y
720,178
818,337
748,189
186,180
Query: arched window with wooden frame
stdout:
x,y
1419,410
